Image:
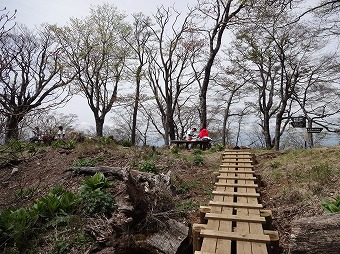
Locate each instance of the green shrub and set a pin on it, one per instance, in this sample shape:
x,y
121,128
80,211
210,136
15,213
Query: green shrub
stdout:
x,y
19,226
97,202
332,206
218,147
148,166
197,152
94,197
198,159
186,186
57,202
175,150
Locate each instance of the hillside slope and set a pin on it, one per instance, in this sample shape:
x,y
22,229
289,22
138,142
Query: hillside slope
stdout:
x,y
294,182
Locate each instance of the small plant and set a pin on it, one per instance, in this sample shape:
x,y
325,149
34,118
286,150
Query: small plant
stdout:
x,y
175,150
197,152
184,187
276,174
58,144
70,144
126,143
84,163
106,140
57,202
331,206
275,164
25,193
187,206
321,173
148,166
98,181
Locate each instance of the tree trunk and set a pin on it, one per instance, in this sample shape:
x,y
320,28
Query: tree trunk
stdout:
x,y
12,127
135,107
266,131
99,126
316,235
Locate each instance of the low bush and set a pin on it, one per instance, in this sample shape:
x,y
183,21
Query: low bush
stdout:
x,y
94,197
148,166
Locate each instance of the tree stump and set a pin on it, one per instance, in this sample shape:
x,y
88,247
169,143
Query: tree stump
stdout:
x,y
320,234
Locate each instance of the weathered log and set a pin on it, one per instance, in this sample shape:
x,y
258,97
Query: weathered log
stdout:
x,y
320,234
120,173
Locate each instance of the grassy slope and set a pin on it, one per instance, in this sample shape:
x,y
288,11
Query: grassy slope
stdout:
x,y
296,182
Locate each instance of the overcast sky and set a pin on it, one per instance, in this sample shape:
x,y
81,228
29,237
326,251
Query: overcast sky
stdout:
x,y
35,12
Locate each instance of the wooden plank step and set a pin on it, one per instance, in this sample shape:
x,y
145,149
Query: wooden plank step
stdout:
x,y
239,185
236,205
237,171
236,236
236,166
237,177
236,161
235,152
230,217
239,194
237,156
203,252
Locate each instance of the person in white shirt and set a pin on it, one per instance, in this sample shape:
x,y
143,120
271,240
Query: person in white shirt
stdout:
x,y
191,134
61,133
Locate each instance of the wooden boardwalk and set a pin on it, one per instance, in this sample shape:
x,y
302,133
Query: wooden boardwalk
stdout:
x,y
234,222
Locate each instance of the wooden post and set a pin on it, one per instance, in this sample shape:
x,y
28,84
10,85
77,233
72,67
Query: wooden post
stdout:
x,y
267,214
273,246
196,238
214,177
203,211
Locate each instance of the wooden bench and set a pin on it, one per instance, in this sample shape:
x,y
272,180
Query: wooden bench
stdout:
x,y
203,144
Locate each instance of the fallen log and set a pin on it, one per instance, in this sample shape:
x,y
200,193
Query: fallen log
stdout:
x,y
120,173
319,234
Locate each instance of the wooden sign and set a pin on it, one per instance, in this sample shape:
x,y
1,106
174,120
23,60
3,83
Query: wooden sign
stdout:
x,y
314,130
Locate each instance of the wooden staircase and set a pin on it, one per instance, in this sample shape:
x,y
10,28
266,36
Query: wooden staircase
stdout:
x,y
235,222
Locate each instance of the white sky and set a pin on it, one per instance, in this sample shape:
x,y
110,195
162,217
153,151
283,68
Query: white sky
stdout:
x,y
35,12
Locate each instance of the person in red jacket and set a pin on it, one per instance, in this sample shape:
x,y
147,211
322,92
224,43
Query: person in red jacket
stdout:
x,y
203,133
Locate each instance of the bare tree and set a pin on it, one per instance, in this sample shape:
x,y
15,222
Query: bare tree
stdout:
x,y
137,41
33,77
96,51
318,97
169,65
215,16
279,63
5,19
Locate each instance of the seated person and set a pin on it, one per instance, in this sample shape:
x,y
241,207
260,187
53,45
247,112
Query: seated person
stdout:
x,y
36,134
191,134
204,134
60,133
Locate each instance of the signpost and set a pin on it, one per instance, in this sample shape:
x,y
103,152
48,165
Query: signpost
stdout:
x,y
298,122
314,130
